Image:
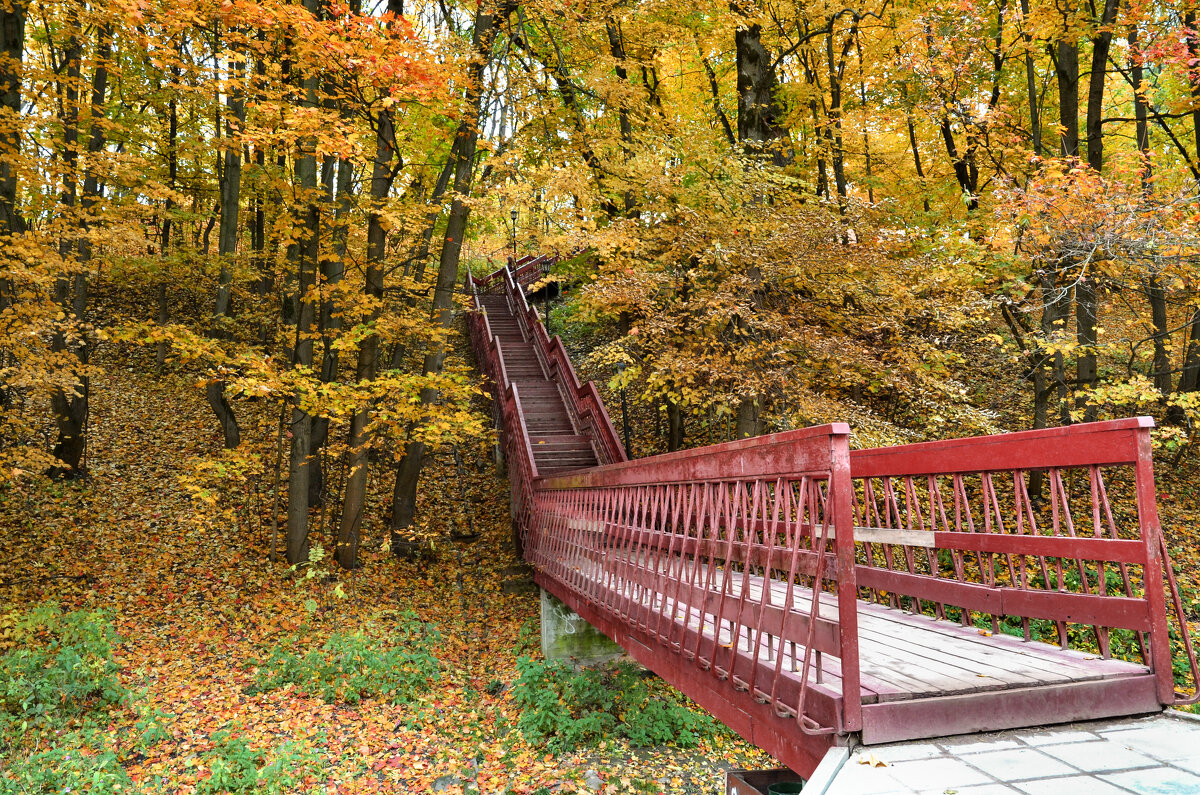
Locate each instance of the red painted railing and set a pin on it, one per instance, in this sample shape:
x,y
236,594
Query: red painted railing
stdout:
x,y
582,400
676,550
738,571
1022,525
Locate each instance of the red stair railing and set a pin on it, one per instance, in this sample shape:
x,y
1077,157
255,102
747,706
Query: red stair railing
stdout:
x,y
737,568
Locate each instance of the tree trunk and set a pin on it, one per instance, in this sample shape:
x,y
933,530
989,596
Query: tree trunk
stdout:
x,y
404,497
1055,305
1193,49
834,127
382,176
674,426
306,252
1157,296
715,88
164,306
760,127
617,50
1189,379
1141,110
1085,337
1067,69
962,170
336,176
1035,113
71,410
12,53
749,418
1101,43
227,239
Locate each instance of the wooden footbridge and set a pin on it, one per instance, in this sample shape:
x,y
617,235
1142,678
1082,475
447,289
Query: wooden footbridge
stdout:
x,y
810,595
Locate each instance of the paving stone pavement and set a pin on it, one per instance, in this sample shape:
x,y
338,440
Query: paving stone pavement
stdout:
x,y
1156,755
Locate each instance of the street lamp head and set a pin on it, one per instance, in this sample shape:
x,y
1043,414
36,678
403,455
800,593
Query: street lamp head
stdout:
x,y
513,214
621,367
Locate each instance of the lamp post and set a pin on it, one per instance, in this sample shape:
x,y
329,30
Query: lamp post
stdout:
x,y
513,215
624,411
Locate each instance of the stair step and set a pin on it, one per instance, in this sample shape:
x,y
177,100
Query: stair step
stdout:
x,y
560,442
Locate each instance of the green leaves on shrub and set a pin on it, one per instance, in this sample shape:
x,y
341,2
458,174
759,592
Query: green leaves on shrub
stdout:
x,y
81,761
59,668
566,709
235,767
351,667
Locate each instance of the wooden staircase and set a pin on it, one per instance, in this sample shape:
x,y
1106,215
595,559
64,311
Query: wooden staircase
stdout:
x,y
557,444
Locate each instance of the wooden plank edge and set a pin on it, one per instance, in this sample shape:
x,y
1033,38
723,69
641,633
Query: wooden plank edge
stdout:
x,y
945,716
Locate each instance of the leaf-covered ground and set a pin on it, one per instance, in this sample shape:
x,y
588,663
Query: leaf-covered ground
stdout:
x,y
198,604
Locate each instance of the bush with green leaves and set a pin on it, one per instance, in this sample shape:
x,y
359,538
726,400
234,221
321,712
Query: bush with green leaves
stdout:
x,y
59,667
235,767
350,667
565,709
79,761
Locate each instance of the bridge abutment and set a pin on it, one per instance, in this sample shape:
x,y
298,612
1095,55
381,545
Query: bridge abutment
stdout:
x,y
566,636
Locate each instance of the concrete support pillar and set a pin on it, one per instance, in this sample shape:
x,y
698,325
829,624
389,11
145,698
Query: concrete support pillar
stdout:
x,y
566,636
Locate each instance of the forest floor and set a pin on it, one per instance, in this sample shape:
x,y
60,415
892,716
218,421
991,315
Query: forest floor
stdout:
x,y
198,605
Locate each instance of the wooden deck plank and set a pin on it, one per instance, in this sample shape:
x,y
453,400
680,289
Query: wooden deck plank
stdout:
x,y
902,656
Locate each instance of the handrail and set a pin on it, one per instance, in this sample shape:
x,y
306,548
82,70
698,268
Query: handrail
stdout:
x,y
706,552
687,522
1035,556
583,401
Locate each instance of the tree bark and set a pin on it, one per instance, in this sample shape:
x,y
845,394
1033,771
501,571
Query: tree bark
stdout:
x,y
382,176
1101,43
715,88
487,20
1055,306
12,53
1035,113
71,410
760,127
307,252
227,239
1157,296
1066,68
1189,379
1085,338
674,426
164,307
1141,110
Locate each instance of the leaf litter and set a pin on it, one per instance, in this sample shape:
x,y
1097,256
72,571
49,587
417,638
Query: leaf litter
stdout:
x,y
198,606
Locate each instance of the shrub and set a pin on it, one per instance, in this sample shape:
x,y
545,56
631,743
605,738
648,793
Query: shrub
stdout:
x,y
81,761
59,668
350,667
235,767
566,709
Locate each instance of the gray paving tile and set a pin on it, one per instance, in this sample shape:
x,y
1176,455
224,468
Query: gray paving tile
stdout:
x,y
1018,764
945,772
1056,737
1156,781
1069,785
901,752
1191,764
1099,756
986,789
1175,740
855,779
968,746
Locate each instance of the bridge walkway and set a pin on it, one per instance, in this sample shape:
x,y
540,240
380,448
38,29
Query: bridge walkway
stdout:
x,y
811,596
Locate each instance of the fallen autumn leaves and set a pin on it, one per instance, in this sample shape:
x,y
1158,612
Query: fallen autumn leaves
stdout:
x,y
198,607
